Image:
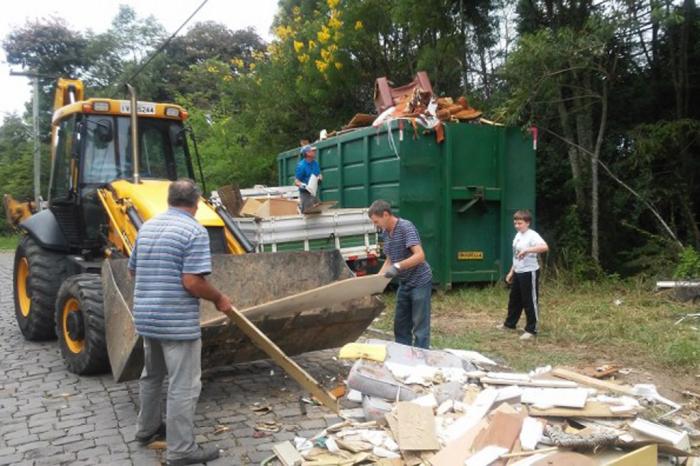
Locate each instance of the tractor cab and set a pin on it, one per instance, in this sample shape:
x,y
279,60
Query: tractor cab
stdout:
x,y
91,149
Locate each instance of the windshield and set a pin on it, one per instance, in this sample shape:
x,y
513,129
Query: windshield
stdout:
x,y
107,149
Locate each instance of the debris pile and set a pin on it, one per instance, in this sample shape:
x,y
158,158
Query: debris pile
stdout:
x,y
410,406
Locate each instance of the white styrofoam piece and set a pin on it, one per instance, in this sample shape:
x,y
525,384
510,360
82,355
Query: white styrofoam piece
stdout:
x,y
475,412
354,395
676,438
428,401
486,456
531,433
510,392
563,397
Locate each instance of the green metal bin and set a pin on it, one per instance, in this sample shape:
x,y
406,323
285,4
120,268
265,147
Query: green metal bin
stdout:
x,y
461,194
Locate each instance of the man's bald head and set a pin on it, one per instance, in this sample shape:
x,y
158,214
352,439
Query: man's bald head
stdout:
x,y
183,193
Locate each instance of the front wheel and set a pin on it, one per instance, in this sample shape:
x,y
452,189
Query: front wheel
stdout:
x,y
80,324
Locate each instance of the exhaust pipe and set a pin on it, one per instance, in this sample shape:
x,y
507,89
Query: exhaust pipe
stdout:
x,y
134,134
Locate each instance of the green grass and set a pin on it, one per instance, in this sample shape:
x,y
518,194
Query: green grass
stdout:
x,y
8,243
614,321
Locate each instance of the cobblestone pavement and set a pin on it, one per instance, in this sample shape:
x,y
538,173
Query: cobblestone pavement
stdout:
x,y
49,416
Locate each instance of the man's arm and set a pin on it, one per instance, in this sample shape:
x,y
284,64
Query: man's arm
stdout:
x,y
199,287
537,249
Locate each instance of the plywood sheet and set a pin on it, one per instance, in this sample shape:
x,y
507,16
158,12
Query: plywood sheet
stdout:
x,y
416,427
645,456
457,451
566,459
502,431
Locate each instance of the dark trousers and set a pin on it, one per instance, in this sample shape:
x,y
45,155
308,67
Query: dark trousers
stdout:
x,y
307,200
524,294
412,316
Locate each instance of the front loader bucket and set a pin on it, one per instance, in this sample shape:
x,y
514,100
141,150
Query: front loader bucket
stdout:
x,y
250,280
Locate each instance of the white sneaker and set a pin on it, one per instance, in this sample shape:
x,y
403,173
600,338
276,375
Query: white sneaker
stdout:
x,y
527,336
503,327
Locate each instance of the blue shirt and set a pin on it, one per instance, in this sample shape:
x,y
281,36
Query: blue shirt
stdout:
x,y
397,247
167,246
306,169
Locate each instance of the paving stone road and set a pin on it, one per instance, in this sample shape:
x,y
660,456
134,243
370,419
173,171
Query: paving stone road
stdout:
x,y
49,416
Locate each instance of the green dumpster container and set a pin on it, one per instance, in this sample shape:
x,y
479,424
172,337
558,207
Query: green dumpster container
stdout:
x,y
461,194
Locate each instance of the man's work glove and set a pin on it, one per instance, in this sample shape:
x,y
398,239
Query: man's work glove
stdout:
x,y
393,271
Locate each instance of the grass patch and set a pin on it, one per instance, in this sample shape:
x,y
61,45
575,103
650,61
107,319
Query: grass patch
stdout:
x,y
613,320
9,243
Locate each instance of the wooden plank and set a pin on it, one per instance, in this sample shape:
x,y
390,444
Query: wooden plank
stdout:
x,y
503,431
276,354
645,456
566,458
416,427
591,382
594,409
287,454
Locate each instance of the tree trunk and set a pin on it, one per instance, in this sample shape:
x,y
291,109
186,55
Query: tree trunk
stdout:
x,y
574,159
595,245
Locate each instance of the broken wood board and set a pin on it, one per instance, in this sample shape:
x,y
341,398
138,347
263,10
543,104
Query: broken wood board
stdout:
x,y
645,456
416,427
502,431
321,297
566,458
287,454
548,383
555,397
457,451
591,382
295,371
593,409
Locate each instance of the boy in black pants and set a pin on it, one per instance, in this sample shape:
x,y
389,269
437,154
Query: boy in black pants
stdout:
x,y
524,275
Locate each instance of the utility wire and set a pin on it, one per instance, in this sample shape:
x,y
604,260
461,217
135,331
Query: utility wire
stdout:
x,y
163,45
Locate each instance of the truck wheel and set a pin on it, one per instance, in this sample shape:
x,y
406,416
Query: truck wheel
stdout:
x,y
80,324
38,274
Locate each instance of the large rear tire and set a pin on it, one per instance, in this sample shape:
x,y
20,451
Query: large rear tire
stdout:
x,y
38,275
80,324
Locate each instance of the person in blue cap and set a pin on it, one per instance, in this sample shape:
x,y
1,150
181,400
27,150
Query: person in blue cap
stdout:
x,y
307,166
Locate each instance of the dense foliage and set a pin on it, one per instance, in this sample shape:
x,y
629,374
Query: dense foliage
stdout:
x,y
612,85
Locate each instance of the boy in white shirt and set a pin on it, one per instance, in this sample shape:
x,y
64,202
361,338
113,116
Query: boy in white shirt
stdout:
x,y
524,275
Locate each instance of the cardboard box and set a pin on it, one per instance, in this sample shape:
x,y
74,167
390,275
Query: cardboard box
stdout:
x,y
269,207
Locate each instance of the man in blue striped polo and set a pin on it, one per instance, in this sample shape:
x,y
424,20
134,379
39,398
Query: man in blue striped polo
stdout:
x,y
405,259
169,262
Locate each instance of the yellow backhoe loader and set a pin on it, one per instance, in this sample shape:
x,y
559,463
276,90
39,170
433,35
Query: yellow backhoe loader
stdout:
x,y
111,164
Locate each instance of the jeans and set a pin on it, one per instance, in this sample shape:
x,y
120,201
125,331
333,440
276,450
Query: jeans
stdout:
x,y
412,316
181,362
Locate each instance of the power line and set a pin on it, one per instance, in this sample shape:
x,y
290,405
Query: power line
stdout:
x,y
164,44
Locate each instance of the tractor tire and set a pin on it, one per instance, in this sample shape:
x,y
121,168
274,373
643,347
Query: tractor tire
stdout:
x,y
38,275
80,324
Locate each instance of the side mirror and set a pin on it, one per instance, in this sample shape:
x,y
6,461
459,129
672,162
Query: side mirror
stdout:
x,y
177,135
104,131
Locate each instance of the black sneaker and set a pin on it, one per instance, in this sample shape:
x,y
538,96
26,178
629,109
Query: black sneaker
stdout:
x,y
200,455
159,434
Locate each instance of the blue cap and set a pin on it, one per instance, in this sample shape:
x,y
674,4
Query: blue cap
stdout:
x,y
306,148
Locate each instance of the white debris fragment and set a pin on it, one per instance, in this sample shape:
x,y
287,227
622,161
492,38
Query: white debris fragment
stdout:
x,y
531,433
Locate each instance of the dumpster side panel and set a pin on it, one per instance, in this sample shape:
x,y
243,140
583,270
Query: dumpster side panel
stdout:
x,y
475,247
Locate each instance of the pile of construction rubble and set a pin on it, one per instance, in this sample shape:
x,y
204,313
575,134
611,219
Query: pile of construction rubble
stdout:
x,y
411,406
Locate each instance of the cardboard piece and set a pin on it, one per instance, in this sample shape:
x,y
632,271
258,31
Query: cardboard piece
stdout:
x,y
416,427
322,207
269,207
594,409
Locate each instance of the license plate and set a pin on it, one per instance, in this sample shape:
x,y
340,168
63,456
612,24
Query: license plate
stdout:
x,y
145,108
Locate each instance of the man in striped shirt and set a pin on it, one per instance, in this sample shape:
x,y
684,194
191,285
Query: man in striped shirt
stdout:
x,y
169,262
405,259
